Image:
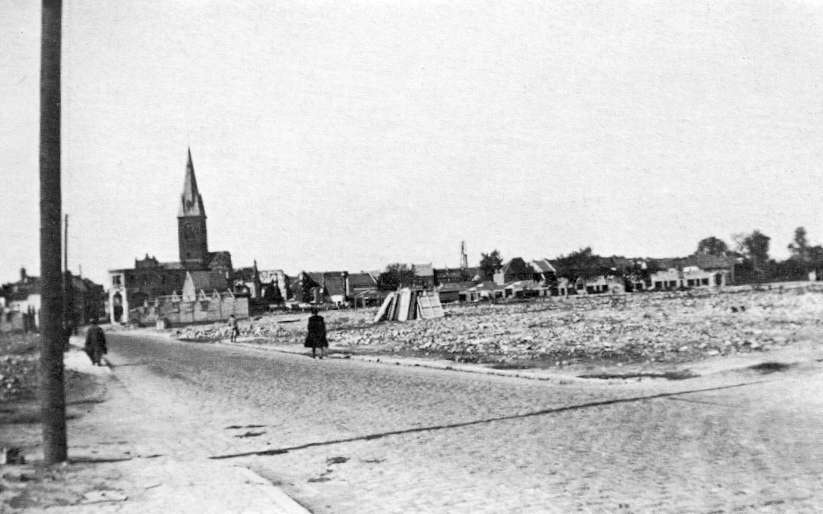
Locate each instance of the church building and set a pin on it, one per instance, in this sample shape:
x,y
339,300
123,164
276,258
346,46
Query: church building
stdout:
x,y
150,278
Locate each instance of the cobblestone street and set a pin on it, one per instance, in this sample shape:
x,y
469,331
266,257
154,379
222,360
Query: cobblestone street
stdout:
x,y
348,436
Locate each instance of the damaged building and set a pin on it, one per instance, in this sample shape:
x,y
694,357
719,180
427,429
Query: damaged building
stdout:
x,y
149,278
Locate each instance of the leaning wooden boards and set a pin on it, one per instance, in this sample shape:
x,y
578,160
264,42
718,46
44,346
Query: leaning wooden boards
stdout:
x,y
430,306
405,304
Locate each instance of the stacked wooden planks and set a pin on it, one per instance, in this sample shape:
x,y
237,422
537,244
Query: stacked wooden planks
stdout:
x,y
407,304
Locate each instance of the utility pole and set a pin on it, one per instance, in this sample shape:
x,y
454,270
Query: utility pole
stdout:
x,y
52,392
66,281
66,243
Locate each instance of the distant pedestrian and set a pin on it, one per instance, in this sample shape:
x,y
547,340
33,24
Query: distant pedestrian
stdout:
x,y
233,328
95,343
316,337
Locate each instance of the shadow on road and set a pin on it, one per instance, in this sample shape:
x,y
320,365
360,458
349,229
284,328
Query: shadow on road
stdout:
x,y
542,412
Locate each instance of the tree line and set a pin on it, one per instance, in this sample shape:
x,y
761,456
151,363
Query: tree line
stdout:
x,y
749,253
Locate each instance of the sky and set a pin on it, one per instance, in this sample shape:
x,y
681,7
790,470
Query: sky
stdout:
x,y
348,135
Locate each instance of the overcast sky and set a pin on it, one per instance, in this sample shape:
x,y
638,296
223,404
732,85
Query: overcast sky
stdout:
x,y
347,135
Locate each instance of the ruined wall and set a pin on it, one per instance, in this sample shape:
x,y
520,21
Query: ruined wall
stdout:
x,y
12,321
217,307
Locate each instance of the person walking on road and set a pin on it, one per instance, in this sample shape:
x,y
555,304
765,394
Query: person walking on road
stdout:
x,y
233,328
95,346
316,337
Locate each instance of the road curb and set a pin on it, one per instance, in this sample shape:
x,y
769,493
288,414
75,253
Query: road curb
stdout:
x,y
389,360
700,368
282,502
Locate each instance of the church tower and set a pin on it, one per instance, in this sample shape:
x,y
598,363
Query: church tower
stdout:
x,y
191,223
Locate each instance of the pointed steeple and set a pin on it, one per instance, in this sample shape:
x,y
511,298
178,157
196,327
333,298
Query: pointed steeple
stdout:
x,y
191,203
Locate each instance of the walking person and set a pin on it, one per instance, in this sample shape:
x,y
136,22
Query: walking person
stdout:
x,y
233,328
95,346
316,337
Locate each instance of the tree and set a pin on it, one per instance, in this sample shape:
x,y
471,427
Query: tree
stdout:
x,y
396,275
582,263
799,247
816,255
755,250
755,247
712,246
490,263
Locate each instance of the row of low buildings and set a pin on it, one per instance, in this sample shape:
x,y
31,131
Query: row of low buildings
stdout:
x,y
203,285
515,278
543,277
213,286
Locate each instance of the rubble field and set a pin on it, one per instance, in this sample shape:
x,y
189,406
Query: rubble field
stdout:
x,y
633,328
19,354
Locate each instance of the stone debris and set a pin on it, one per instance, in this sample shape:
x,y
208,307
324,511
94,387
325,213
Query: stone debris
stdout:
x,y
18,365
648,327
104,495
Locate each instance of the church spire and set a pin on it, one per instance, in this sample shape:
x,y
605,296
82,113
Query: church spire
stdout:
x,y
191,203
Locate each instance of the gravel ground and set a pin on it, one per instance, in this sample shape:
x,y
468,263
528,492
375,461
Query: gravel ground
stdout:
x,y
18,366
640,328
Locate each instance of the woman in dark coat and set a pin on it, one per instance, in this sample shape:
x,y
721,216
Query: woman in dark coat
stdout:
x,y
316,338
95,343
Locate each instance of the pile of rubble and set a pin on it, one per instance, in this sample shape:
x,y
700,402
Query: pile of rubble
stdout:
x,y
650,327
280,328
18,365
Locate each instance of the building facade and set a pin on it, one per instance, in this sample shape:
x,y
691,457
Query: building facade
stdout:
x,y
135,287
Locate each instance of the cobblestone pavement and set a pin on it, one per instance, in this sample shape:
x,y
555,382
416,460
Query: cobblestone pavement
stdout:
x,y
349,436
131,450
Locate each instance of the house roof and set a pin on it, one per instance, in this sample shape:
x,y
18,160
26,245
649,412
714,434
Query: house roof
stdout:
x,y
22,295
525,284
331,280
246,273
487,285
517,265
702,261
454,274
455,286
221,258
207,280
335,284
20,290
78,284
361,280
543,266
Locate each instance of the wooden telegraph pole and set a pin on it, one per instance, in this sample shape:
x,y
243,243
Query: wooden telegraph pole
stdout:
x,y
52,392
65,282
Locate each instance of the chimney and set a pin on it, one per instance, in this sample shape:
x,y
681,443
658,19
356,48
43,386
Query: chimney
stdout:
x,y
23,274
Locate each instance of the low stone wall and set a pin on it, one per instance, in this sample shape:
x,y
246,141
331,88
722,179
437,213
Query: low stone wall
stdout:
x,y
182,312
